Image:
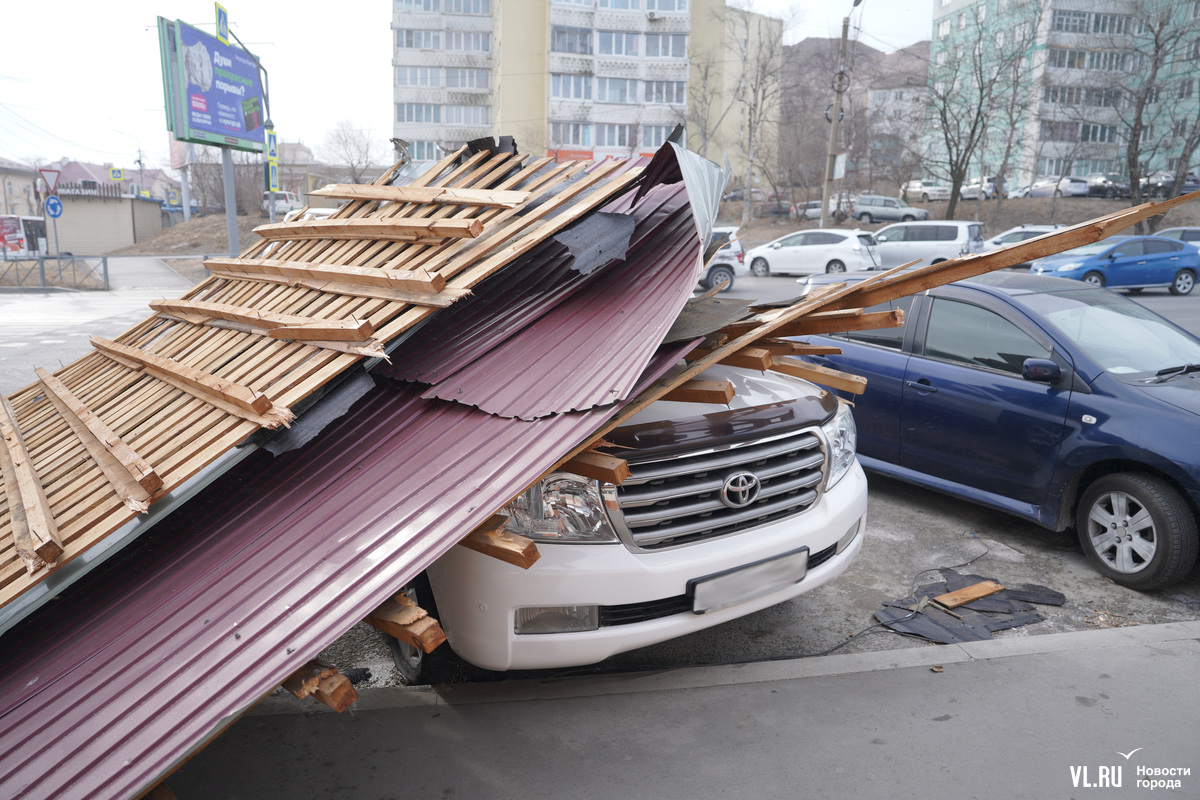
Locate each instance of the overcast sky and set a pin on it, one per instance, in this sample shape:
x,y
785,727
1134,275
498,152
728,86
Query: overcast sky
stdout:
x,y
83,80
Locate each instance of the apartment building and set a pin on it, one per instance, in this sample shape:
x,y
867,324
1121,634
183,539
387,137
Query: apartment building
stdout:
x,y
575,79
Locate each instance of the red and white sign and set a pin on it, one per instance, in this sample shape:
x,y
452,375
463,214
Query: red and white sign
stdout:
x,y
50,176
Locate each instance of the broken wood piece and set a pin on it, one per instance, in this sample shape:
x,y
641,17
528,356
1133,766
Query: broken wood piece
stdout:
x,y
416,280
780,347
403,619
598,466
336,692
278,326
35,534
747,358
417,298
133,479
491,539
967,594
825,376
835,322
230,396
400,229
322,681
701,391
424,194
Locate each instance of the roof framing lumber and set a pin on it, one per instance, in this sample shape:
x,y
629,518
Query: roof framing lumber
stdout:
x,y
702,391
34,532
417,280
491,539
277,326
440,300
423,194
599,466
133,479
403,619
405,229
227,395
833,378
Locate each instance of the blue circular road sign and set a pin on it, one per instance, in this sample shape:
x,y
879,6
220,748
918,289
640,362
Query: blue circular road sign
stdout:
x,y
54,207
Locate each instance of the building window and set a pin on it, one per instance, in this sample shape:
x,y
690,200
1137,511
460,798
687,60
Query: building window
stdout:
x,y
1070,21
656,135
418,76
1185,88
1059,131
1062,95
417,6
622,5
616,90
570,134
672,92
1054,166
1066,59
943,29
1106,60
418,40
475,7
418,112
1104,98
459,78
614,136
940,58
616,43
1090,132
571,40
468,41
588,3
962,20
1179,128
423,151
570,87
666,45
1151,95
666,5
1117,24
467,115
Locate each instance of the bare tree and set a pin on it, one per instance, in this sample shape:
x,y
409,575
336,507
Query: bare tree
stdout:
x,y
355,149
754,43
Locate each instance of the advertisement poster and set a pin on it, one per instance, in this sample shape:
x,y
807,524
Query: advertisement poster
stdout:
x,y
214,92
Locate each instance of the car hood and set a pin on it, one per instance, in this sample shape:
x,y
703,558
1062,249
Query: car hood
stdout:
x,y
1182,392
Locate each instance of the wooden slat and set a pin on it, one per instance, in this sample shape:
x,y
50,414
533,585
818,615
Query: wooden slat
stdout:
x,y
816,323
702,391
206,386
417,281
35,534
747,357
833,378
441,299
967,594
598,466
403,619
277,326
420,194
491,539
778,347
322,681
396,230
134,480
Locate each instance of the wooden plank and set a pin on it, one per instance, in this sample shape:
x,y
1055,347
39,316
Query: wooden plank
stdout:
x,y
833,378
278,326
440,300
404,229
747,358
33,526
778,347
403,619
833,323
701,391
598,466
208,387
491,539
423,194
133,479
967,594
322,681
417,280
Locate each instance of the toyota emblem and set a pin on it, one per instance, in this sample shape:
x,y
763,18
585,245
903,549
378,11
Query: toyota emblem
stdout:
x,y
740,489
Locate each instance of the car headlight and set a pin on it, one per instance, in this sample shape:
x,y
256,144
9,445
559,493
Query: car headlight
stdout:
x,y
562,507
1067,267
841,436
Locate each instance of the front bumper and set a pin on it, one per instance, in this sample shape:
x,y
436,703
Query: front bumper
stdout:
x,y
477,596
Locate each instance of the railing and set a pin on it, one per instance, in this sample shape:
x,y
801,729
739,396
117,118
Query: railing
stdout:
x,y
65,271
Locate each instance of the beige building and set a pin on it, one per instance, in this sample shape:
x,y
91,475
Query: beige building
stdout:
x,y
575,79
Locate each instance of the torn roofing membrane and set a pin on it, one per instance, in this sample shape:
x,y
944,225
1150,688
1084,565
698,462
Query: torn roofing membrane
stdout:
x,y
105,691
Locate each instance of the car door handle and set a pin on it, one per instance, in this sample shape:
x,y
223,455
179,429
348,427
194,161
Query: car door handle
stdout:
x,y
923,386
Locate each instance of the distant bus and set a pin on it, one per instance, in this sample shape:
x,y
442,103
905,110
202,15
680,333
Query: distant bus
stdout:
x,y
22,237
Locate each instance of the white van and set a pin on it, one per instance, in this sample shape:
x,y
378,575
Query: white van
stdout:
x,y
284,202
928,242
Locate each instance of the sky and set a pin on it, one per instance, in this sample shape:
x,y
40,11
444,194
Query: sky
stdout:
x,y
88,86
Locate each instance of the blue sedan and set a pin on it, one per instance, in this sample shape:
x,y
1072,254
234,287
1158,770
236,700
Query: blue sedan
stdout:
x,y
1128,262
1064,404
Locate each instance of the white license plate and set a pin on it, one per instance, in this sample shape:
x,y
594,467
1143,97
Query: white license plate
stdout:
x,y
749,582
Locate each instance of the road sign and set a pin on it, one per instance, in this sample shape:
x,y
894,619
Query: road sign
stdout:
x,y
54,207
50,176
116,174
222,24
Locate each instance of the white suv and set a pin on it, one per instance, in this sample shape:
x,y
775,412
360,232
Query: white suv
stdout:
x,y
730,509
729,260
928,242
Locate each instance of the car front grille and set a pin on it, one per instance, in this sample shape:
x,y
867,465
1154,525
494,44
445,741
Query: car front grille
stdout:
x,y
678,500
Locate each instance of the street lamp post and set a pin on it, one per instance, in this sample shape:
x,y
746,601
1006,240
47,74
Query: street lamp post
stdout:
x,y
841,82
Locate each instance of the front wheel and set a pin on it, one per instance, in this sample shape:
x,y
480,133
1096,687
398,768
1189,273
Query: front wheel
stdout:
x,y
865,219
1184,281
760,268
718,276
1137,530
907,218
1094,279
835,266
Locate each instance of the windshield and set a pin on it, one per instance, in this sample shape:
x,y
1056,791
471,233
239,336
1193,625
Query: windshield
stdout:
x,y
1122,337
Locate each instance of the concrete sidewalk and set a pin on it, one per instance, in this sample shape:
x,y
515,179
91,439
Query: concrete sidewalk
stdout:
x,y
1017,717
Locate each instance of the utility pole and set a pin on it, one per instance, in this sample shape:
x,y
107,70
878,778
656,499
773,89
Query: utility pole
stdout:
x,y
841,82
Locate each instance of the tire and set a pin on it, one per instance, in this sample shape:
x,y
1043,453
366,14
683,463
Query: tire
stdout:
x,y
865,218
924,198
1137,530
409,660
907,218
1094,278
1057,193
835,266
1109,193
719,275
760,268
1185,281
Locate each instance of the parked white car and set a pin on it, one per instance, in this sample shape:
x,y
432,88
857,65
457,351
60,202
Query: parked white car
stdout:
x,y
984,187
927,241
925,191
727,263
1066,186
1018,234
824,250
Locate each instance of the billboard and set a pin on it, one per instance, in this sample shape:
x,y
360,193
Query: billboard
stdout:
x,y
213,93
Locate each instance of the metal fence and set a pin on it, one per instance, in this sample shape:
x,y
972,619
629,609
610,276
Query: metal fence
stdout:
x,y
66,271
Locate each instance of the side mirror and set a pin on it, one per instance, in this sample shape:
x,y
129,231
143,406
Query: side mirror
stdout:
x,y
1115,256
776,246
1041,370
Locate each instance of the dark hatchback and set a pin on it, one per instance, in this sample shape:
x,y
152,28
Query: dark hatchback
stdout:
x,y
1067,405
